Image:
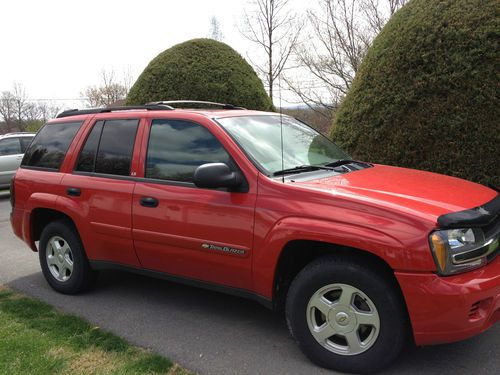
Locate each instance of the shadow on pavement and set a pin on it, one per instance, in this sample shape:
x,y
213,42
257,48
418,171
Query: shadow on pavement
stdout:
x,y
214,333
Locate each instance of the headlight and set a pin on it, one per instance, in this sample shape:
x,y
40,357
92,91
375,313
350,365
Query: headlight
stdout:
x,y
460,250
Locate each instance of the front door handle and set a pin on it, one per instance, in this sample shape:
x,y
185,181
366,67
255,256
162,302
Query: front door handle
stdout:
x,y
74,192
149,202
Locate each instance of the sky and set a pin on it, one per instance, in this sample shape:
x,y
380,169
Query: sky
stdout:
x,y
56,48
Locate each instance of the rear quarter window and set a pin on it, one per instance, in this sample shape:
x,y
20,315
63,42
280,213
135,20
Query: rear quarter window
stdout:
x,y
49,147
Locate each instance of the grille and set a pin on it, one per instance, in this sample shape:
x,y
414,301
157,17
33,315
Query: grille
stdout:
x,y
473,312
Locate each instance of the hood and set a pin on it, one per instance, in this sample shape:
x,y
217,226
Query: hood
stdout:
x,y
429,194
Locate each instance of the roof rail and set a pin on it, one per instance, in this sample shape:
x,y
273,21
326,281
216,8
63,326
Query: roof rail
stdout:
x,y
148,107
169,102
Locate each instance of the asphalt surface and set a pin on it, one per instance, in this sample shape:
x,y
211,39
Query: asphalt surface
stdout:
x,y
208,332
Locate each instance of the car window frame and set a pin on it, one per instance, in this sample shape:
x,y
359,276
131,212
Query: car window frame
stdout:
x,y
47,169
149,124
93,123
84,143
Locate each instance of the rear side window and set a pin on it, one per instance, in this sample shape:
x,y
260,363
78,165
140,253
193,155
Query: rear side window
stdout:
x,y
176,148
86,161
10,146
50,145
108,148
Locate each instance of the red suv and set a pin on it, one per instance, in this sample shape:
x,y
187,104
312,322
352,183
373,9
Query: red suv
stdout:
x,y
362,257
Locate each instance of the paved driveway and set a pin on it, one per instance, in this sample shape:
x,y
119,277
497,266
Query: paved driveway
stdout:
x,y
208,332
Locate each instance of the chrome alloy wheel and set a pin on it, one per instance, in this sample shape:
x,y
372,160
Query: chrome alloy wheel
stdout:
x,y
59,258
343,319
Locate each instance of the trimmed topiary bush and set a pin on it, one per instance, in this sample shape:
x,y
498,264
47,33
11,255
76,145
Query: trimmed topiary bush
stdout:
x,y
426,95
200,69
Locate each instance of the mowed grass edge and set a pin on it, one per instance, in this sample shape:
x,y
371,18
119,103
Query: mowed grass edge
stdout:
x,y
37,339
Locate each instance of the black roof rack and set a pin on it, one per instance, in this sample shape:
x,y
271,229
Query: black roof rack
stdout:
x,y
148,107
222,105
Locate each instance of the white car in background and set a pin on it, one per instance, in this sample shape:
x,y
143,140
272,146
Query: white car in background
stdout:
x,y
12,148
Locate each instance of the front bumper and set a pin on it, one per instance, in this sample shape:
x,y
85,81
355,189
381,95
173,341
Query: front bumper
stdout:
x,y
453,308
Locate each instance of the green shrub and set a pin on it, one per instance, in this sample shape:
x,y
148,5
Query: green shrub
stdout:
x,y
200,69
426,95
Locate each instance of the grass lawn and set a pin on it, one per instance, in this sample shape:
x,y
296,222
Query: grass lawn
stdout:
x,y
37,339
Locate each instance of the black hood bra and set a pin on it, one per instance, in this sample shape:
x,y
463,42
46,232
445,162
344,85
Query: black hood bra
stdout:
x,y
474,217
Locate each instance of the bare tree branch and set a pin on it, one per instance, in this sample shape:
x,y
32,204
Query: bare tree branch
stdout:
x,y
343,30
275,29
215,30
108,93
19,113
7,110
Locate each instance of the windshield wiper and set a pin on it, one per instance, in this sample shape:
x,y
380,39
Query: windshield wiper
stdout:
x,y
302,168
339,162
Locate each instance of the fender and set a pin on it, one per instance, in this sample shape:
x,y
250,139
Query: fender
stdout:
x,y
35,200
51,202
291,228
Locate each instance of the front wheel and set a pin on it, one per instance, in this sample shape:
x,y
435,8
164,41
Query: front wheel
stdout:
x,y
345,316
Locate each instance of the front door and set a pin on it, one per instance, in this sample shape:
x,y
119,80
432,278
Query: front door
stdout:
x,y
203,234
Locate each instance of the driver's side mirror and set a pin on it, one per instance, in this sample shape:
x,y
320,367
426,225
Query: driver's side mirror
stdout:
x,y
217,175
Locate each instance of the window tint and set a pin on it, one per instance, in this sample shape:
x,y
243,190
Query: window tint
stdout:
x,y
25,142
115,148
10,146
177,148
86,161
50,145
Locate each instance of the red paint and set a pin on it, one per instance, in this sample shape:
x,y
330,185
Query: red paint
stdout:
x,y
386,211
439,307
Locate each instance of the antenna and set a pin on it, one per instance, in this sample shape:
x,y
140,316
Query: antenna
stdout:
x,y
281,131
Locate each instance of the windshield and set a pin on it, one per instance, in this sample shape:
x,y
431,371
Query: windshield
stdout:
x,y
260,138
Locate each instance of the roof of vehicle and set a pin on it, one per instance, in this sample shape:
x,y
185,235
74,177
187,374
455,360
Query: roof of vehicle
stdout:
x,y
214,110
18,134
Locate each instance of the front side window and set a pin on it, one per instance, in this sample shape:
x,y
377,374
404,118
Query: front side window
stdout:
x,y
260,137
108,148
10,146
176,148
50,145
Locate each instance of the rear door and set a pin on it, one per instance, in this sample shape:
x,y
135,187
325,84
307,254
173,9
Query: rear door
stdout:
x,y
99,190
10,158
203,234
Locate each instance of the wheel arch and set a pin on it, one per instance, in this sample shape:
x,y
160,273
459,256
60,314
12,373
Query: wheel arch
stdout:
x,y
297,254
40,217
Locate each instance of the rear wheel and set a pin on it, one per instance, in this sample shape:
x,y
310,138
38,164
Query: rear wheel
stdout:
x,y
345,316
63,260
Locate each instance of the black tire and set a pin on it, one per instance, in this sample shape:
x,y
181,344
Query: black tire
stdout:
x,y
376,285
82,276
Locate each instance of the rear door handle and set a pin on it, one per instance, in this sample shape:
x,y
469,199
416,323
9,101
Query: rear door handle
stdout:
x,y
149,202
74,192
